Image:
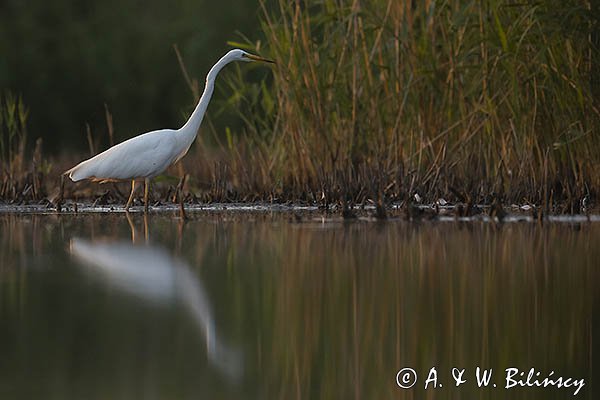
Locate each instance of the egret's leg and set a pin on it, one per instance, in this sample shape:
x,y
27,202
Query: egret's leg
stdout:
x,y
146,187
130,196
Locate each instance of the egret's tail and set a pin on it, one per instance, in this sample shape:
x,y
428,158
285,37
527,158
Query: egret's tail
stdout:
x,y
77,173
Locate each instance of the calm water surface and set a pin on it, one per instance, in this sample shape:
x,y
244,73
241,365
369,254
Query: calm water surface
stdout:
x,y
254,306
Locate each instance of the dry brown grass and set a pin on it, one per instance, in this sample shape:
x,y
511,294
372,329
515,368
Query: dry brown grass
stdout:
x,y
381,100
474,102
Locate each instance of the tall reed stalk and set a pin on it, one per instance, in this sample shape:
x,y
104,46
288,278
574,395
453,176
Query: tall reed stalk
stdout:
x,y
18,180
382,99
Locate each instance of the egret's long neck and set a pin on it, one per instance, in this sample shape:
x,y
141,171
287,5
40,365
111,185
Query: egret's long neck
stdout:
x,y
190,129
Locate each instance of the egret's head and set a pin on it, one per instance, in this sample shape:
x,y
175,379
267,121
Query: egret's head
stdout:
x,y
241,55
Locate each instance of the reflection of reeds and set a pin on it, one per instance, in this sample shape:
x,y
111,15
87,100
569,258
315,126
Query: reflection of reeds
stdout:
x,y
19,238
335,310
352,306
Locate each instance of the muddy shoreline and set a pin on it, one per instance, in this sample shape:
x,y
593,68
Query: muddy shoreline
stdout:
x,y
307,212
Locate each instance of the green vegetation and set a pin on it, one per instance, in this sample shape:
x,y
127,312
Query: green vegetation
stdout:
x,y
379,100
69,58
19,179
455,99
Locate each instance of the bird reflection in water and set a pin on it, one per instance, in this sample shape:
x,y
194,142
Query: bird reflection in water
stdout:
x,y
150,273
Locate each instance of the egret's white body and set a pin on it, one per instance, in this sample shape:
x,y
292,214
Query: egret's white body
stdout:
x,y
145,156
141,157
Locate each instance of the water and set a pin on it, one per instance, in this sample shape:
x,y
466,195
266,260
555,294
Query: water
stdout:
x,y
261,306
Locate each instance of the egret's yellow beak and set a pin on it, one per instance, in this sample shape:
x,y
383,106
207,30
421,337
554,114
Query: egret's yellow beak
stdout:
x,y
257,58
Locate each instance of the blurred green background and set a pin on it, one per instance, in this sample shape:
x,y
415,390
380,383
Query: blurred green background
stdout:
x,y
68,58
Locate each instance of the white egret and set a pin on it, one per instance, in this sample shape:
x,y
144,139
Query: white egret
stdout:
x,y
148,155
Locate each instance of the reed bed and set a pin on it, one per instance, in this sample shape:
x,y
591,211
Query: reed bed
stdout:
x,y
386,101
383,100
21,177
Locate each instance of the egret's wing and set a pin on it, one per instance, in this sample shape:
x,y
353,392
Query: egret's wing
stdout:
x,y
143,156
